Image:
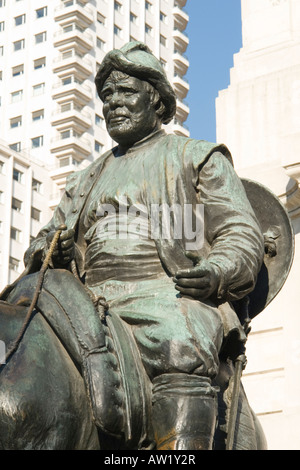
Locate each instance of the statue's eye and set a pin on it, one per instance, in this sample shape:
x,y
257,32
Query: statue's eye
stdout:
x,y
106,96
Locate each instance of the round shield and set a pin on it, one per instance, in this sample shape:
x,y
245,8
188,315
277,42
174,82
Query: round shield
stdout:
x,y
279,245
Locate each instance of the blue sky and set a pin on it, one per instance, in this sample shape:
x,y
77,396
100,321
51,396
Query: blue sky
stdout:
x,y
214,31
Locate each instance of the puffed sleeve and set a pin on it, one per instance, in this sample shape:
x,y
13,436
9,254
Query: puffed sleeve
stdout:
x,y
231,228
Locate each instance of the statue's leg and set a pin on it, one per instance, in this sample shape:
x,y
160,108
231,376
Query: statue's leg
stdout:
x,y
178,340
69,310
184,412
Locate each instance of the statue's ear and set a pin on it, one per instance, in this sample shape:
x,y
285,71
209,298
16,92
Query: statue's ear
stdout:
x,y
158,104
160,108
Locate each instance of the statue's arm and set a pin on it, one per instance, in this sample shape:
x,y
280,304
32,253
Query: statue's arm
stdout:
x,y
231,227
35,254
38,247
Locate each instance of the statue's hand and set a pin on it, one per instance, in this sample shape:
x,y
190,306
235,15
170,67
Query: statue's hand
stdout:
x,y
199,282
65,250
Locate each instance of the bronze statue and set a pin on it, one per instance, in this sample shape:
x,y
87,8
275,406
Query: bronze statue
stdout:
x,y
152,310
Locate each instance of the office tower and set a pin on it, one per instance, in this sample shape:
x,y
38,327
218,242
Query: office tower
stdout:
x,y
258,118
49,53
49,56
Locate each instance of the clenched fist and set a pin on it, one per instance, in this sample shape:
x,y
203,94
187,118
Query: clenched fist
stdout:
x,y
65,250
200,282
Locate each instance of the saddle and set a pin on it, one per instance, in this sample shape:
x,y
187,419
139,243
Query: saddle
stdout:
x,y
104,351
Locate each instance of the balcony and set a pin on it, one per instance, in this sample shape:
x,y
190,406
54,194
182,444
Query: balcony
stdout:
x,y
181,41
79,146
182,110
180,129
81,93
181,63
80,120
75,60
181,18
181,86
83,39
180,3
76,11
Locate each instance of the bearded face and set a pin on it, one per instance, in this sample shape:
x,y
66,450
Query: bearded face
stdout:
x,y
129,108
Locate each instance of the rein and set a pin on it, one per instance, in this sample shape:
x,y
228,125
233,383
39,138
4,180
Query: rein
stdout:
x,y
33,303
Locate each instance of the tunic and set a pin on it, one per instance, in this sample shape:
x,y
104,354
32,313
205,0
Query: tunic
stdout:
x,y
134,272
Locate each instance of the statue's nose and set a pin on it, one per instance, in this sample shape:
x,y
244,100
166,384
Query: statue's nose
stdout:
x,y
117,99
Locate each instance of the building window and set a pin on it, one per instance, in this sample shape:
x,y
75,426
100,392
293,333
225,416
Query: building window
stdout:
x,y
163,17
2,26
2,3
1,197
66,161
133,18
20,20
67,54
163,40
15,234
2,167
65,134
68,28
163,63
67,80
148,6
16,122
39,63
41,12
118,7
38,115
38,89
35,214
66,107
16,146
98,147
148,29
37,142
18,45
18,175
117,30
16,96
16,204
101,18
40,37
98,120
100,44
36,186
14,264
18,70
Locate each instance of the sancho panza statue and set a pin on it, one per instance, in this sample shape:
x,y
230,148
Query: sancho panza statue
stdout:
x,y
172,295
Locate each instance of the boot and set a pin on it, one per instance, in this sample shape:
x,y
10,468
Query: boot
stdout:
x,y
184,412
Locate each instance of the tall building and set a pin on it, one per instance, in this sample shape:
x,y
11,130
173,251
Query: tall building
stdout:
x,y
25,187
258,118
49,54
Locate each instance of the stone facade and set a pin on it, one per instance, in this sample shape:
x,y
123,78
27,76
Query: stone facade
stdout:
x,y
258,117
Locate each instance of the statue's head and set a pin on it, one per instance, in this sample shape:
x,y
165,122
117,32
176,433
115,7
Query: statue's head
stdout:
x,y
137,96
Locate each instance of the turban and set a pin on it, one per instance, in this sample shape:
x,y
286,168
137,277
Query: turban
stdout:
x,y
136,59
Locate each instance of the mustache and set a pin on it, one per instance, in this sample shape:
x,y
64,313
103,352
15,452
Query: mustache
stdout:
x,y
117,114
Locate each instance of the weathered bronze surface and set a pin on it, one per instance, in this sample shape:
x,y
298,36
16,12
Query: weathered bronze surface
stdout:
x,y
136,329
